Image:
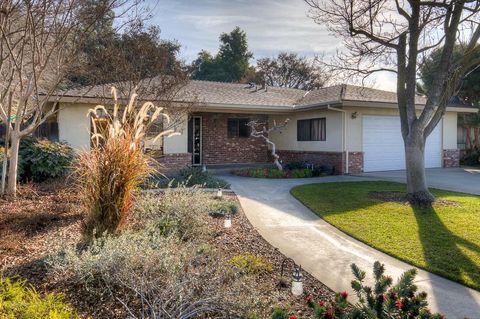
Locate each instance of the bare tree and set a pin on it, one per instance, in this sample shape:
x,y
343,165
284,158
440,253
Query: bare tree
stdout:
x,y
395,36
260,130
39,41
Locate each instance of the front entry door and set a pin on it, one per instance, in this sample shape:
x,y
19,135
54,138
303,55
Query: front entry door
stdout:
x,y
195,138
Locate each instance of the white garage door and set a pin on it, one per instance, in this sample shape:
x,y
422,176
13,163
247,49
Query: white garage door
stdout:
x,y
383,145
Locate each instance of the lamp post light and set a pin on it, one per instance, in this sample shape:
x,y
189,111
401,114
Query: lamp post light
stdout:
x,y
297,277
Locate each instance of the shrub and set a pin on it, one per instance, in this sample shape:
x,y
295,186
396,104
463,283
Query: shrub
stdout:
x,y
295,165
223,207
250,264
41,159
195,176
44,159
472,158
20,300
178,210
157,276
274,173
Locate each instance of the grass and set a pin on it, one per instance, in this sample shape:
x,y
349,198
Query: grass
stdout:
x,y
443,239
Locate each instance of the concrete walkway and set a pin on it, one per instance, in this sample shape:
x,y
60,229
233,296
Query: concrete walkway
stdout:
x,y
326,252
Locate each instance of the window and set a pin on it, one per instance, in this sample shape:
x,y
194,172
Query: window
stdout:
x,y
238,128
311,130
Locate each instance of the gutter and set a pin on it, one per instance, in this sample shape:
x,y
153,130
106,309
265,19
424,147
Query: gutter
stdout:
x,y
344,139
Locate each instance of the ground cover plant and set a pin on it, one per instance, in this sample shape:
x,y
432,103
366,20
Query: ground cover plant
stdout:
x,y
275,173
20,300
443,238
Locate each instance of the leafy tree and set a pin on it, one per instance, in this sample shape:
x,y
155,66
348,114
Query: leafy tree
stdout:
x,y
469,88
139,50
231,62
292,71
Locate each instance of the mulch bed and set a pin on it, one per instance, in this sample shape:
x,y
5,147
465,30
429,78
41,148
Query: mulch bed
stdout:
x,y
45,216
401,197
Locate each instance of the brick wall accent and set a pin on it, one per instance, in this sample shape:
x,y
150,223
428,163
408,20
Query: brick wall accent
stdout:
x,y
451,158
172,163
218,148
355,162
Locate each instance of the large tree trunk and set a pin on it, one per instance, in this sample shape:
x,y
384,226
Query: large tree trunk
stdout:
x,y
12,167
417,190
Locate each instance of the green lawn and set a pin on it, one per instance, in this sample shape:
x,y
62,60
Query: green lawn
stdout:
x,y
443,239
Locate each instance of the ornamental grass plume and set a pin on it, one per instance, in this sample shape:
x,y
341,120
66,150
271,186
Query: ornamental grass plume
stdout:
x,y
113,169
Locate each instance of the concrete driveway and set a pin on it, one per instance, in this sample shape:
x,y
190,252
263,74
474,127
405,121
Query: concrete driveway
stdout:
x,y
465,180
325,252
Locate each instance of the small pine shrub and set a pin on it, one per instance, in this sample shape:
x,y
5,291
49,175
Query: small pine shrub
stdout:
x,y
20,300
250,264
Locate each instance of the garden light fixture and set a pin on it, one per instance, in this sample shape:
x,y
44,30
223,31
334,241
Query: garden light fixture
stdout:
x,y
227,222
297,277
219,194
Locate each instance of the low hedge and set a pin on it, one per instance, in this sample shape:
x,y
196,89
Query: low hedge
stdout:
x,y
276,173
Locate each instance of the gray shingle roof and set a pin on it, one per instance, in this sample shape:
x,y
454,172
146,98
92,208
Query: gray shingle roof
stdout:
x,y
219,93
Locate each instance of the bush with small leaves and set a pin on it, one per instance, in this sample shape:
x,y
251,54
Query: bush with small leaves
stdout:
x,y
195,176
250,264
20,300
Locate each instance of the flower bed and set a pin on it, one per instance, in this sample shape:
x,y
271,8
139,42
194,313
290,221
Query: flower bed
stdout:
x,y
276,173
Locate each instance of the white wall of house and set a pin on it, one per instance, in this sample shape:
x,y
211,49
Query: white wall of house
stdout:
x,y
287,138
450,130
74,125
178,143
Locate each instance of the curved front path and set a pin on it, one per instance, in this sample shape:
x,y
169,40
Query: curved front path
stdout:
x,y
325,252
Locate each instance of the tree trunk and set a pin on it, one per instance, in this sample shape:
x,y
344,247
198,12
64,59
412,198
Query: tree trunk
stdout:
x,y
468,139
417,190
12,167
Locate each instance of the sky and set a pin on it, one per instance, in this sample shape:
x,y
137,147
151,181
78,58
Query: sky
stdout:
x,y
271,26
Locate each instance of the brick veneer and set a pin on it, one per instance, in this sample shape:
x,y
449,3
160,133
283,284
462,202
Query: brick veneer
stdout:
x,y
172,163
355,162
218,148
451,158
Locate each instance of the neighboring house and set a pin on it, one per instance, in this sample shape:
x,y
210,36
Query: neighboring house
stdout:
x,y
353,128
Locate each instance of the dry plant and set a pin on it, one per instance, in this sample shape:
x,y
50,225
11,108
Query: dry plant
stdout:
x,y
109,174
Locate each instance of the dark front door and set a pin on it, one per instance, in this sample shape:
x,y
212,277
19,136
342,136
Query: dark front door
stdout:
x,y
195,139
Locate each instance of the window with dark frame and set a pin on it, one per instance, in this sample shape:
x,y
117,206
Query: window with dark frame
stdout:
x,y
238,128
311,130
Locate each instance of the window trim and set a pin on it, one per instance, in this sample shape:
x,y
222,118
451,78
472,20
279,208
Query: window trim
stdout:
x,y
310,122
237,132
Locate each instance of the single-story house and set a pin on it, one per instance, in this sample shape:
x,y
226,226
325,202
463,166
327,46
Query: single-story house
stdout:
x,y
354,128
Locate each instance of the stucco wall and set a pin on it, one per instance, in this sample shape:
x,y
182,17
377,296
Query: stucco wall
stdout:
x,y
450,131
178,143
74,125
287,138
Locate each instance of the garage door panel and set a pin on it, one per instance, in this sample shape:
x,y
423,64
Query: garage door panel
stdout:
x,y
384,149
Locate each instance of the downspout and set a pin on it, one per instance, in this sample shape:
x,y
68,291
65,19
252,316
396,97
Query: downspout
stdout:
x,y
344,138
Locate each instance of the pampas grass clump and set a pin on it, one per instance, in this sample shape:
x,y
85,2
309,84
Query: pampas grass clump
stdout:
x,y
109,174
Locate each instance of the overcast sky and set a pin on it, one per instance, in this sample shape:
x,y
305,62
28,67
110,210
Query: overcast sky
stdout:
x,y
271,26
